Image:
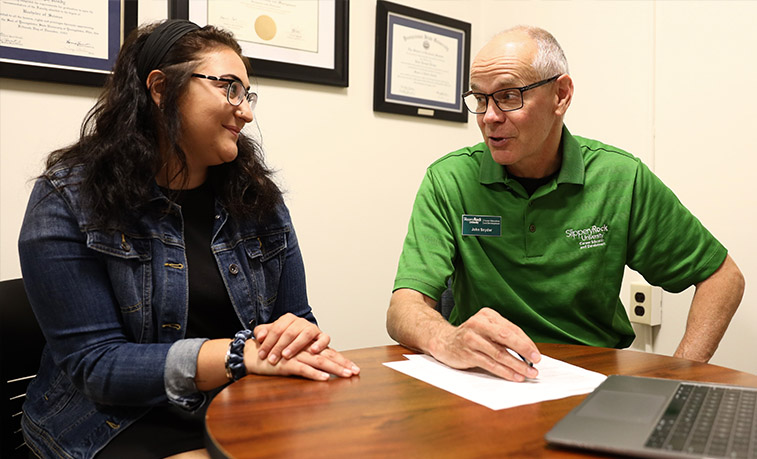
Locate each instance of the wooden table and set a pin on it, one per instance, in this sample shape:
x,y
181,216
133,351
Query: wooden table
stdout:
x,y
384,413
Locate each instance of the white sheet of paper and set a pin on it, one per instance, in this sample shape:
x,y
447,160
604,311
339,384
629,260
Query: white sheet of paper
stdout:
x,y
556,379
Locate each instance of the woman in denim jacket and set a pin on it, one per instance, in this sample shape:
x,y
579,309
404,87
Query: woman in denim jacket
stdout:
x,y
147,244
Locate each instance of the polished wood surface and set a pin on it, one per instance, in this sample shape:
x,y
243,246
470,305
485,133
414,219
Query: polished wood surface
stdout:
x,y
384,413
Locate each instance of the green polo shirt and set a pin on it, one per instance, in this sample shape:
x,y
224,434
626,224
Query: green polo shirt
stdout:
x,y
552,263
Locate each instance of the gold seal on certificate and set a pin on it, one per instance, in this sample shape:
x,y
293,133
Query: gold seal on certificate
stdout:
x,y
299,40
290,25
265,27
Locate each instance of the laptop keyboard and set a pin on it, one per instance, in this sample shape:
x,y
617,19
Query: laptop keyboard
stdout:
x,y
708,421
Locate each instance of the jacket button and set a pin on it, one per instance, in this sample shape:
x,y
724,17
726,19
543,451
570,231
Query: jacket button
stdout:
x,y
532,227
125,246
234,269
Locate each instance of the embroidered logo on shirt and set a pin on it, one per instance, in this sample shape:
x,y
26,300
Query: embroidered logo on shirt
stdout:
x,y
593,236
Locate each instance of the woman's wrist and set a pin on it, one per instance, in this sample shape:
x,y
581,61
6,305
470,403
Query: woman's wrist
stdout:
x,y
251,359
210,364
234,362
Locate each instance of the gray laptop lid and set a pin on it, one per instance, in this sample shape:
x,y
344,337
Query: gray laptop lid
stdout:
x,y
620,415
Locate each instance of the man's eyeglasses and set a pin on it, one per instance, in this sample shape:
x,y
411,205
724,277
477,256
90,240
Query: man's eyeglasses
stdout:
x,y
507,99
235,91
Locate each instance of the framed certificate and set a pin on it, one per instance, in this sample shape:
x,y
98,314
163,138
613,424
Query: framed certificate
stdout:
x,y
63,41
421,66
299,40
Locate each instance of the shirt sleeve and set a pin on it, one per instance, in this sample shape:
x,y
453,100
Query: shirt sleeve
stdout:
x,y
667,244
429,249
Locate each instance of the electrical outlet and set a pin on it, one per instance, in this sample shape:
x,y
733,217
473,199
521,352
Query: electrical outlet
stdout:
x,y
646,304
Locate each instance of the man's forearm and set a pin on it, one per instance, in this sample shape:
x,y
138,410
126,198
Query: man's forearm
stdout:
x,y
714,303
412,321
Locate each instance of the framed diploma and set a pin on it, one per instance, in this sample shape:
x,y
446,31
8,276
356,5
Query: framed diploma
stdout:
x,y
63,41
421,66
299,40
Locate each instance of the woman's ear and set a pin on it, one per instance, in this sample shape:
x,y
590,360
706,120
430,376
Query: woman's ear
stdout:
x,y
156,84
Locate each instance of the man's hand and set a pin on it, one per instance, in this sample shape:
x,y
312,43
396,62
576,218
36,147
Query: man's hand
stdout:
x,y
482,341
287,336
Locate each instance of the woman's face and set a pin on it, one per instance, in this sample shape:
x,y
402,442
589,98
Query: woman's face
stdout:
x,y
210,124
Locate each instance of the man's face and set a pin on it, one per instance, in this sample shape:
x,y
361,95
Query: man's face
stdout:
x,y
522,140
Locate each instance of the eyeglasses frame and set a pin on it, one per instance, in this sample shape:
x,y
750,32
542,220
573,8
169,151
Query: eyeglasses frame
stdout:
x,y
522,89
252,97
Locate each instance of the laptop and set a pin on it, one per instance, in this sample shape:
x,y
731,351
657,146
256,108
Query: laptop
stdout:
x,y
651,417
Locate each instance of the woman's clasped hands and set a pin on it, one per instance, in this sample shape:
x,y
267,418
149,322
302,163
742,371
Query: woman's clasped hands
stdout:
x,y
293,346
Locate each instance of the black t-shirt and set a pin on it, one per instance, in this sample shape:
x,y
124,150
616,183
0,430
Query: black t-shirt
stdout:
x,y
168,430
533,184
211,314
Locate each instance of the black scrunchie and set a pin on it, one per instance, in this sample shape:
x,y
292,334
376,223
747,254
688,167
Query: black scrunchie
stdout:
x,y
159,42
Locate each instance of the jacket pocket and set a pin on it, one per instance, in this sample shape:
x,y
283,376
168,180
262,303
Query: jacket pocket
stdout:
x,y
127,262
266,255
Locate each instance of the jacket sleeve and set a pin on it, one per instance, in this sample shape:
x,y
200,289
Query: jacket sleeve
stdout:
x,y
71,294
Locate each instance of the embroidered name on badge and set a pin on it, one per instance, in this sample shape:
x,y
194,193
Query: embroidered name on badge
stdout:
x,y
482,225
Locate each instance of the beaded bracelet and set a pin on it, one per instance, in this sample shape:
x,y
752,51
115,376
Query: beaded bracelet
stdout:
x,y
235,368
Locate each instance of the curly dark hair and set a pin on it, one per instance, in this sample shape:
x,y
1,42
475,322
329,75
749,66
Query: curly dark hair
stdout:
x,y
118,144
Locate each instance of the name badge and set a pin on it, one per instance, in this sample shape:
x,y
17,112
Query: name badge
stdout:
x,y
482,225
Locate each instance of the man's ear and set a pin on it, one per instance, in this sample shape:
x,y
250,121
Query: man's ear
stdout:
x,y
564,94
156,84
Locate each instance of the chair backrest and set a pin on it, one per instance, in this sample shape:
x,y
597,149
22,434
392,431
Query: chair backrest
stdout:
x,y
21,344
447,301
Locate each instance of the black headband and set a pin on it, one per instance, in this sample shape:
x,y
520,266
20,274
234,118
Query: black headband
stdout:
x,y
159,42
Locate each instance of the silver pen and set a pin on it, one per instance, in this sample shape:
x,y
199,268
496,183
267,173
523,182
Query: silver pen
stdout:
x,y
528,362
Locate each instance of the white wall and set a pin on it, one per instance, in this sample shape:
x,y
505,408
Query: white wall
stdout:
x,y
351,174
705,139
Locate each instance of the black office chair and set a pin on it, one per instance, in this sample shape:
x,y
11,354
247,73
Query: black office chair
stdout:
x,y
21,344
446,301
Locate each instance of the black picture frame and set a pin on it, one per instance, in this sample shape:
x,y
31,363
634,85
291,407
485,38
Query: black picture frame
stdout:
x,y
34,65
336,75
433,33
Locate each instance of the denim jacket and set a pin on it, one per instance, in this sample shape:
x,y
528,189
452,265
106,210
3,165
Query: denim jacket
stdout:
x,y
113,308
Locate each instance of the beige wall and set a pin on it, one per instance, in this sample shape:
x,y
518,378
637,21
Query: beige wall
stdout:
x,y
351,174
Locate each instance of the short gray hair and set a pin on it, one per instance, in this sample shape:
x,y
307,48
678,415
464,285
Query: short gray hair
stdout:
x,y
550,59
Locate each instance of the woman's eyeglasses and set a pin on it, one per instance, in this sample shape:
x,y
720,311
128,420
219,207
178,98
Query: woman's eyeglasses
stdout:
x,y
235,91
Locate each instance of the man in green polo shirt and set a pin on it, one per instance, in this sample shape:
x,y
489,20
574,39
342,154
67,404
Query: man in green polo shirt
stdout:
x,y
534,226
